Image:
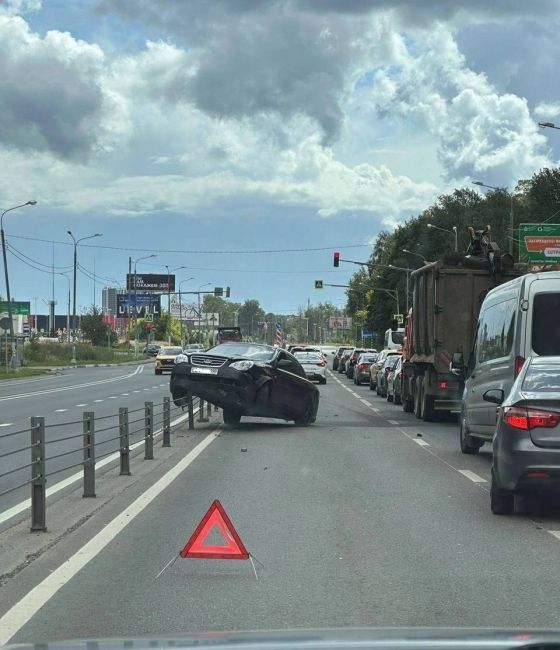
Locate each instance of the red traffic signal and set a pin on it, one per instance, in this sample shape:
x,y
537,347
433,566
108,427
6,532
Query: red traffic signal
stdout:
x,y
337,259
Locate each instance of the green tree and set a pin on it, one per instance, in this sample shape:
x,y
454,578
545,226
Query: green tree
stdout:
x,y
93,328
249,314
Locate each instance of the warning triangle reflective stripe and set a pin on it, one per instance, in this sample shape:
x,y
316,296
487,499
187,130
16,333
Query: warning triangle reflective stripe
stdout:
x,y
215,518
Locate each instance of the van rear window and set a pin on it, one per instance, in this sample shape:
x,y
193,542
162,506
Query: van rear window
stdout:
x,y
545,338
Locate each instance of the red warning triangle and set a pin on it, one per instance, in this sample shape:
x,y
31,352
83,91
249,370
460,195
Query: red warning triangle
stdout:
x,y
232,549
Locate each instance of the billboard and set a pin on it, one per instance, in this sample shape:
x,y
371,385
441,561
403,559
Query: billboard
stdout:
x,y
18,308
145,303
539,243
150,282
189,312
340,322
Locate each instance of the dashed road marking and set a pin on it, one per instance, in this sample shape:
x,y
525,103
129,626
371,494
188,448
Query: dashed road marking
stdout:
x,y
393,422
125,394
113,397
60,410
475,478
365,401
420,442
98,400
6,424
79,405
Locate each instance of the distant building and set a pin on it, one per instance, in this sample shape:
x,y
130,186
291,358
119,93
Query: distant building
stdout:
x,y
109,300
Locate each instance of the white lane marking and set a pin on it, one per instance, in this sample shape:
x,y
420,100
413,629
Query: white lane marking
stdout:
x,y
60,410
113,397
353,393
420,442
374,409
135,391
77,405
144,389
6,424
393,422
141,370
78,476
125,394
365,401
22,612
475,478
98,400
71,387
555,533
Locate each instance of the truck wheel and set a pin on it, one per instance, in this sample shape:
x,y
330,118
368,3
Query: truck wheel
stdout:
x,y
418,397
502,502
408,405
427,404
469,445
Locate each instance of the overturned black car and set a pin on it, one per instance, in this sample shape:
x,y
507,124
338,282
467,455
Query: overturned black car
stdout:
x,y
247,379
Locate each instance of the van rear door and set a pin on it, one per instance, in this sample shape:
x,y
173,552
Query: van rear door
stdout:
x,y
542,337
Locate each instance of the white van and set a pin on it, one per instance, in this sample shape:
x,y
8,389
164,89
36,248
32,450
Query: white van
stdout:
x,y
393,339
518,319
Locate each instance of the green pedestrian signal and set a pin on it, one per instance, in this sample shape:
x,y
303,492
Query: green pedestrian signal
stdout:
x,y
318,284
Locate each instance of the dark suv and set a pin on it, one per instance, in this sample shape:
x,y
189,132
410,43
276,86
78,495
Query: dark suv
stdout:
x,y
338,355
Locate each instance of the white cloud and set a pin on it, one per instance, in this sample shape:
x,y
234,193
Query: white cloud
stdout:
x,y
547,109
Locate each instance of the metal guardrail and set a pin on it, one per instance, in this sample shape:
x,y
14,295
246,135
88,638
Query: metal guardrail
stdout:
x,y
152,419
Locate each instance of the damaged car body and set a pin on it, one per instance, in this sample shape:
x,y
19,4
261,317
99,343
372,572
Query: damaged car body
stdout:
x,y
247,379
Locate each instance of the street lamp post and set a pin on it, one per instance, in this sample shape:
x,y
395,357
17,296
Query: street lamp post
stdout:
x,y
169,272
198,296
181,310
68,312
146,257
8,297
407,271
453,231
76,242
492,187
424,260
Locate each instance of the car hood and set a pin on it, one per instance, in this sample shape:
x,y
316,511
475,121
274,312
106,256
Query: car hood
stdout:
x,y
344,639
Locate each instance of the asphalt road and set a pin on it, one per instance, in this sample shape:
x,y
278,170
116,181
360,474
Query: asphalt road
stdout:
x,y
62,400
368,517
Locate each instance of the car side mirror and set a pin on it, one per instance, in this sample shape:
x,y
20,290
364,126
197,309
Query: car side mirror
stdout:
x,y
494,395
457,365
283,363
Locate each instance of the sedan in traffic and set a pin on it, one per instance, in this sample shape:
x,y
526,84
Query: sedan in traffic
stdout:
x,y
247,379
314,365
344,360
526,443
361,371
394,383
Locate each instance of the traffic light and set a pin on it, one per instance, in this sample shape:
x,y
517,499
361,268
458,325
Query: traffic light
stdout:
x,y
227,292
218,291
337,259
318,284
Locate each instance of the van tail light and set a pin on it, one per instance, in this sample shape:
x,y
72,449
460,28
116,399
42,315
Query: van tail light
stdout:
x,y
526,419
442,384
519,361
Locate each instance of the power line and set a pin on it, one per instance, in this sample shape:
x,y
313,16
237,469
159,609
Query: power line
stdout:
x,y
194,252
48,266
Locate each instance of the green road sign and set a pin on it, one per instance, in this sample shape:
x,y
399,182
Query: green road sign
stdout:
x,y
318,284
539,243
18,308
399,318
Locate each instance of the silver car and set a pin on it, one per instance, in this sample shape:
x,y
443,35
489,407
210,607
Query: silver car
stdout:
x,y
314,365
526,444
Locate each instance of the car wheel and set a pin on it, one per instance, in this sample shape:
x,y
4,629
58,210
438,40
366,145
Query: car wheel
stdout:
x,y
158,372
397,399
502,502
469,445
231,418
389,397
371,386
323,380
307,417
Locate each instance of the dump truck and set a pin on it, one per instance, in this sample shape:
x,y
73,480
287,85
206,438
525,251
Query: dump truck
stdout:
x,y
446,303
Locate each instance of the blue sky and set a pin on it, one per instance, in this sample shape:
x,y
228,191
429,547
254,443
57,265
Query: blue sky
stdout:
x,y
242,126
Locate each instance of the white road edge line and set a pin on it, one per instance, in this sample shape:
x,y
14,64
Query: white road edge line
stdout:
x,y
420,442
475,478
78,476
22,612
393,422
